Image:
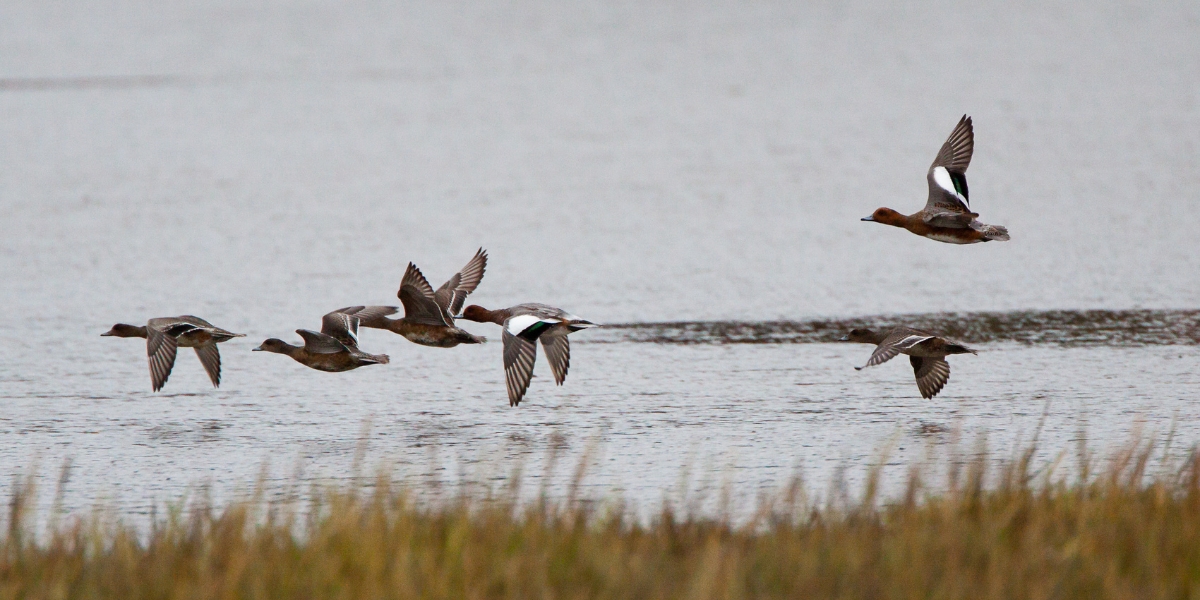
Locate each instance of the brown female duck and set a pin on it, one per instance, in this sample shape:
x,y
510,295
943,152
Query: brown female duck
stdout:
x,y
164,334
947,215
927,353
524,325
334,349
429,315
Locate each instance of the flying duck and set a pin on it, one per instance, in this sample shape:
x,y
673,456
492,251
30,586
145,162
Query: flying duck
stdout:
x,y
947,215
927,353
164,335
334,349
524,325
429,315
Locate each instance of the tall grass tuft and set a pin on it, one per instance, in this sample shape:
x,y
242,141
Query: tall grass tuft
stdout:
x,y
1114,530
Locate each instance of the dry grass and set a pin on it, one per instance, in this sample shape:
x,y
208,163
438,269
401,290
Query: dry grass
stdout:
x,y
998,533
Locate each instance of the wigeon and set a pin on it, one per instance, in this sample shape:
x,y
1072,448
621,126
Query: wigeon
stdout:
x,y
926,351
429,315
524,325
163,335
334,349
947,215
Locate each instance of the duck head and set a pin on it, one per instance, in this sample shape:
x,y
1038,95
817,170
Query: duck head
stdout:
x,y
126,331
887,216
273,345
480,314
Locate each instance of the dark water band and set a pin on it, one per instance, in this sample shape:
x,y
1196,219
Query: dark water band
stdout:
x,y
1059,327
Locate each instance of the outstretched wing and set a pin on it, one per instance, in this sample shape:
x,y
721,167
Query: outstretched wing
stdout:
x,y
932,374
899,340
370,316
519,356
955,154
906,337
414,277
558,354
173,326
342,326
453,294
949,199
210,357
160,348
218,334
417,297
320,343
194,320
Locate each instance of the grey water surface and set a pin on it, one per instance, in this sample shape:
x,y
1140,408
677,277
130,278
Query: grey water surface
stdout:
x,y
691,173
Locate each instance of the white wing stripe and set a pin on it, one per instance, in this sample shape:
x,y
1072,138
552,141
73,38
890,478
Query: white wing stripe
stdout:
x,y
942,177
520,323
911,341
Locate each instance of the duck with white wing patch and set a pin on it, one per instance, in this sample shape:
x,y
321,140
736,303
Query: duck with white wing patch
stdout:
x,y
524,325
947,215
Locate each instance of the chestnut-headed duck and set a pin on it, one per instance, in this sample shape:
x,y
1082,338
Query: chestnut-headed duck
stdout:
x,y
947,215
927,353
163,335
334,349
524,325
429,315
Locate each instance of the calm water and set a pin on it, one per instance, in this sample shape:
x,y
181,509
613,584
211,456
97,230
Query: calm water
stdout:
x,y
261,165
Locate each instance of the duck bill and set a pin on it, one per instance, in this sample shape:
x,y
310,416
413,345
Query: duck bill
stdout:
x,y
106,334
844,338
870,218
258,349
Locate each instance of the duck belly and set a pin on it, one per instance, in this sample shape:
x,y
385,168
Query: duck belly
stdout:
x,y
439,337
329,363
194,339
437,341
954,238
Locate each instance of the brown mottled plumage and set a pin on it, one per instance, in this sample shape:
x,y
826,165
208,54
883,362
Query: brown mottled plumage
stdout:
x,y
164,335
926,352
334,349
429,315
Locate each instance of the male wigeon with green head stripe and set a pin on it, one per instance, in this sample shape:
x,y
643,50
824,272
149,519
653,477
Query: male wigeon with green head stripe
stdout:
x,y
947,215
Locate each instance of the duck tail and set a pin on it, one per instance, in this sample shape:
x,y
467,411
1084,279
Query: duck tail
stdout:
x,y
381,358
466,337
995,233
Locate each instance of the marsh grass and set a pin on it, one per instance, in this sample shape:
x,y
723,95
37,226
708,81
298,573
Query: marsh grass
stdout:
x,y
1125,527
